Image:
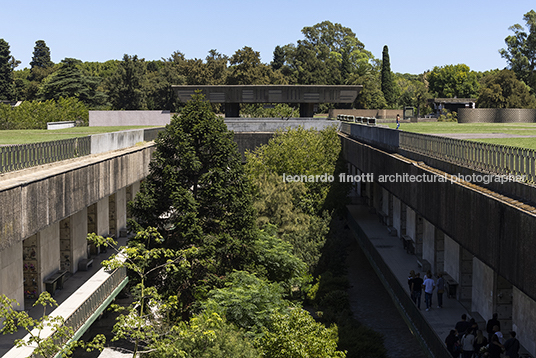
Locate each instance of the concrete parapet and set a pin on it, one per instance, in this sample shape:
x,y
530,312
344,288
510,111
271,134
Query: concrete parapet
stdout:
x,y
128,118
271,125
496,115
106,142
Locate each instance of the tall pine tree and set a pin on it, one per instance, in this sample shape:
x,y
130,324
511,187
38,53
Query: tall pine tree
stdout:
x,y
197,195
41,56
388,84
6,72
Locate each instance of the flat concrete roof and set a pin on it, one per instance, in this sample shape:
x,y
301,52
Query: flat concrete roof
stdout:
x,y
271,93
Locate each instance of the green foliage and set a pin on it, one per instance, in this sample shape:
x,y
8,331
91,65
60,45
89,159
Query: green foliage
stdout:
x,y
279,110
6,72
297,335
247,301
206,335
448,116
453,81
125,87
503,90
274,260
36,328
389,88
520,49
41,56
36,114
69,81
414,92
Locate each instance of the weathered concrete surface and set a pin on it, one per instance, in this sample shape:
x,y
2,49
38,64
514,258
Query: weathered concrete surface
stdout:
x,y
498,233
128,118
32,199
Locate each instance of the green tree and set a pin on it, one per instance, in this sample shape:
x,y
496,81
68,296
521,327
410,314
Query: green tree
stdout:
x,y
6,72
37,329
69,81
126,87
503,90
279,58
246,68
413,92
520,50
297,335
197,194
453,81
388,84
41,56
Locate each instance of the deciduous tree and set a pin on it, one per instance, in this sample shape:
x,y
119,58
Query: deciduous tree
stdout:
x,y
453,81
520,51
503,90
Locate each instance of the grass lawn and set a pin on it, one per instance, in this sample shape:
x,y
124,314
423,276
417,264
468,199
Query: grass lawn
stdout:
x,y
43,135
476,128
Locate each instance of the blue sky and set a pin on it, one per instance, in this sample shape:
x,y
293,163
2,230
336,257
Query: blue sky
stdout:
x,y
420,34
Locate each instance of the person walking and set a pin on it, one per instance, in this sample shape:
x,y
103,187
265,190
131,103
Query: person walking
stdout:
x,y
492,322
467,343
397,121
480,341
512,346
462,325
416,289
495,347
440,289
453,343
428,286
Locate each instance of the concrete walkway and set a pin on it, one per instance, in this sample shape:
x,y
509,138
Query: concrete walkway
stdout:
x,y
442,320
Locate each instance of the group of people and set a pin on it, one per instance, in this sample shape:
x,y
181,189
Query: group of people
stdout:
x,y
427,284
467,340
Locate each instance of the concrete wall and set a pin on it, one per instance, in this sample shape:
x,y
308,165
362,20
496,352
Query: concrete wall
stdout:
x,y
488,227
397,215
452,258
428,243
49,250
79,237
496,115
524,316
411,229
11,276
377,113
128,118
105,142
483,289
272,125
38,197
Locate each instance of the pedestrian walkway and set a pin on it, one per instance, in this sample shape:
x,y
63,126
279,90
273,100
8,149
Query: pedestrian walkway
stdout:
x,y
70,286
400,263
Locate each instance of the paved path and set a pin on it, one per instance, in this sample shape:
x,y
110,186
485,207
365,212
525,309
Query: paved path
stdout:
x,y
390,248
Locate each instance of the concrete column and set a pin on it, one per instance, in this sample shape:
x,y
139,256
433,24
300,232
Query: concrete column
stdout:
x,y
452,258
48,242
98,220
439,248
112,216
377,196
523,318
307,110
466,278
121,209
397,215
483,289
384,201
232,110
428,243
79,226
11,273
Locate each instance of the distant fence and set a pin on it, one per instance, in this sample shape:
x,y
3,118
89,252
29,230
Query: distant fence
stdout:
x,y
20,156
493,158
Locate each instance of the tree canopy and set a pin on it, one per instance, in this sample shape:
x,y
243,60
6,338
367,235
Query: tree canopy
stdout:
x,y
6,72
503,90
453,81
520,51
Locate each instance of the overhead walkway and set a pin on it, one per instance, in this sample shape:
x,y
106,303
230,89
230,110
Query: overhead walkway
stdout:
x,y
85,295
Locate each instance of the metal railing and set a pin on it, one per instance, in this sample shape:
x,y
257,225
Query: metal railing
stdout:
x,y
21,156
492,158
81,308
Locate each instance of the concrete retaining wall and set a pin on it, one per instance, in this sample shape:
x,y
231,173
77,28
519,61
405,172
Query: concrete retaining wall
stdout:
x,y
272,125
497,233
106,142
496,115
377,113
38,197
128,118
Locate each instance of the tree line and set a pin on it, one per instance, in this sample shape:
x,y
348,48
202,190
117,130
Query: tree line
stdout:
x,y
328,54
